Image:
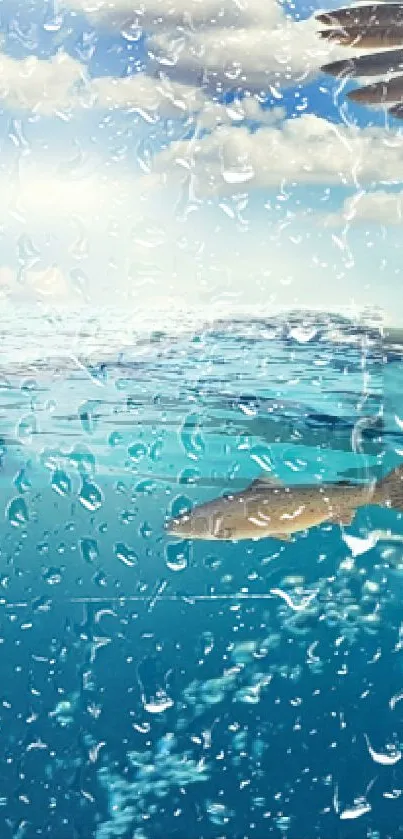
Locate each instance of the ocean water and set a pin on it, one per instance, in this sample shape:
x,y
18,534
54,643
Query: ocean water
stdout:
x,y
155,688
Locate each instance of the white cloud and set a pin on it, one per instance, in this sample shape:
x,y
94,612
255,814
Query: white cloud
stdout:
x,y
160,97
40,85
68,238
256,58
381,207
252,44
167,14
147,95
60,84
47,286
309,149
198,46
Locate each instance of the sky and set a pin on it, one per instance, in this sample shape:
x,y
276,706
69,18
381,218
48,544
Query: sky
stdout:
x,y
190,151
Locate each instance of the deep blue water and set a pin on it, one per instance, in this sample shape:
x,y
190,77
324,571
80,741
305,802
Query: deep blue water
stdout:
x,y
154,688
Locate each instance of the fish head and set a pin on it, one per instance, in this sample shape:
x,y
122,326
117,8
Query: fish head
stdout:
x,y
215,520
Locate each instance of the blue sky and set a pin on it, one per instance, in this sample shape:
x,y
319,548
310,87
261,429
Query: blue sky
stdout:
x,y
238,175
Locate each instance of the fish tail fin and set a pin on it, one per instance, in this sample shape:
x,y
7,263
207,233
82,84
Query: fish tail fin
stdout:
x,y
389,490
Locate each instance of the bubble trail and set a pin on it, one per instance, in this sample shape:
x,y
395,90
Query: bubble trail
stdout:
x,y
144,598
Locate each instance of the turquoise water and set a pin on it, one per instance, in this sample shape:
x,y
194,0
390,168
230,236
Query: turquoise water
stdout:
x,y
155,688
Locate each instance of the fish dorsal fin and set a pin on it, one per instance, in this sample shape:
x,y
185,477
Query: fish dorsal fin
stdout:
x,y
266,480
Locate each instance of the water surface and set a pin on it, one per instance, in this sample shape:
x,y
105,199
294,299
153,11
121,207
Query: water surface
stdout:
x,y
152,687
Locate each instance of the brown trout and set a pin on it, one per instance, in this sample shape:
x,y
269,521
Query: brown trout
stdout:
x,y
375,14
267,508
374,64
379,92
360,38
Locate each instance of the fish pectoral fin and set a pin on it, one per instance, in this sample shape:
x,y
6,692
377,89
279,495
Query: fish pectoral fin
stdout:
x,y
285,537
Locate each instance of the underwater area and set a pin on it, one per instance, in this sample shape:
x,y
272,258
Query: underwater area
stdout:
x,y
158,687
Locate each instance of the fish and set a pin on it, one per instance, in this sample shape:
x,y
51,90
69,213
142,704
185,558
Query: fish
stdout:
x,y
379,92
376,14
375,26
374,64
373,37
268,508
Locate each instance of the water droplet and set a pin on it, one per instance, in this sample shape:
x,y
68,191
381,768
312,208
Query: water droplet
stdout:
x,y
100,579
180,505
29,386
89,550
41,604
132,31
26,428
238,175
115,439
28,256
22,482
151,236
82,459
43,548
52,576
91,496
145,530
79,281
137,451
158,704
89,417
263,457
156,450
17,512
53,23
191,437
177,555
61,482
146,487
125,554
189,476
